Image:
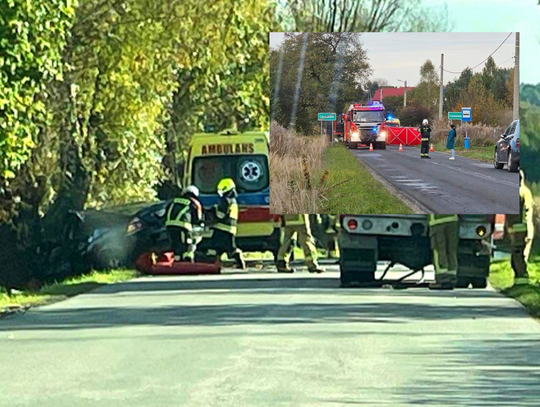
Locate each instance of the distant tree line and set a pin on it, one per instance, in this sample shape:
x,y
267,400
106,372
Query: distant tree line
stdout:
x,y
489,93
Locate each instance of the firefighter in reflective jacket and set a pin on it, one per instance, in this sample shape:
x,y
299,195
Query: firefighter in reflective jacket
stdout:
x,y
444,234
182,214
293,225
520,228
226,219
425,134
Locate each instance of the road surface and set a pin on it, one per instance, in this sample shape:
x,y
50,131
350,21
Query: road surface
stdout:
x,y
440,185
266,339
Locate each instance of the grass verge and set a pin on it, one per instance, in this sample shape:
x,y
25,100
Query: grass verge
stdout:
x,y
362,194
502,279
484,153
64,289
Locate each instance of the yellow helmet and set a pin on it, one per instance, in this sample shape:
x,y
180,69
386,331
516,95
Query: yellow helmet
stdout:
x,y
225,185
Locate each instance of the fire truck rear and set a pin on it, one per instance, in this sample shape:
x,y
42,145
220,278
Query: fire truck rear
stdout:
x,y
404,239
362,125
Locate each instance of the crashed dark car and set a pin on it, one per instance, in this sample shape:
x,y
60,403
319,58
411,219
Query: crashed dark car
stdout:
x,y
146,231
104,235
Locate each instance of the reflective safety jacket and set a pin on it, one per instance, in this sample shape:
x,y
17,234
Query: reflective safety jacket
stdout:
x,y
440,219
522,222
227,215
183,212
295,220
425,132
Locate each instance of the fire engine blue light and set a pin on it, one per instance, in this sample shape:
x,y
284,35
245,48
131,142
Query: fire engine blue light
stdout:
x,y
375,128
390,117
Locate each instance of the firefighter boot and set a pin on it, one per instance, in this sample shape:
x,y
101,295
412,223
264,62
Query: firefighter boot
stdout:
x,y
240,263
315,269
282,267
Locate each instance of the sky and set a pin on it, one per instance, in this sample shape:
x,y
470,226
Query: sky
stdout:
x,y
396,56
478,27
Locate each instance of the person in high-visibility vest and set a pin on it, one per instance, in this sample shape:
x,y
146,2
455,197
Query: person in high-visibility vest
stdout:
x,y
333,230
520,228
226,220
425,134
444,235
293,225
181,215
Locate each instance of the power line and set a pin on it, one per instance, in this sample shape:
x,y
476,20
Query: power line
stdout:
x,y
484,59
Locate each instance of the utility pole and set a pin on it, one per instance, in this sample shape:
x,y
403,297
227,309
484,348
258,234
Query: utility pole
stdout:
x,y
441,90
381,95
516,80
405,95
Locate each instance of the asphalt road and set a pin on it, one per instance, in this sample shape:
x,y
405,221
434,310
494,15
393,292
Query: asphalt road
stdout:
x,y
263,339
440,185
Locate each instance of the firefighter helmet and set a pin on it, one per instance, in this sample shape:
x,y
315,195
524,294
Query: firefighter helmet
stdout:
x,y
225,185
425,122
192,190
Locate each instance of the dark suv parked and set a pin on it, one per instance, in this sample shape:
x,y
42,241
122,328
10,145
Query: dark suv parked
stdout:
x,y
507,149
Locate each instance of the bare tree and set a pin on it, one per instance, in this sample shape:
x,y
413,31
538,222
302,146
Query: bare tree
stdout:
x,y
359,15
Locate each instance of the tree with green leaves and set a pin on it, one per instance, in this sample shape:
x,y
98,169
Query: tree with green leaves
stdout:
x,y
426,92
98,94
335,68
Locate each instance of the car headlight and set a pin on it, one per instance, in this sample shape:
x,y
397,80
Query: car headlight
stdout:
x,y
355,135
134,226
382,135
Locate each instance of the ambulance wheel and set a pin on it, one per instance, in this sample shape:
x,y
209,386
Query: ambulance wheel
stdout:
x,y
479,282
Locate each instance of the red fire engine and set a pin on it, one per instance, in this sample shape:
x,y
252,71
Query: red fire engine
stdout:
x,y
361,125
339,127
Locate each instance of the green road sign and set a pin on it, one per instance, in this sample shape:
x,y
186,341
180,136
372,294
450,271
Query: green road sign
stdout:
x,y
454,115
327,117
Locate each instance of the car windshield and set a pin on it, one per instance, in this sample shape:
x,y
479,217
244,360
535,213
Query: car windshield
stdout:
x,y
368,116
249,172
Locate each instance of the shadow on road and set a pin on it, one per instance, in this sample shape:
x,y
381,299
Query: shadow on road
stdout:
x,y
252,314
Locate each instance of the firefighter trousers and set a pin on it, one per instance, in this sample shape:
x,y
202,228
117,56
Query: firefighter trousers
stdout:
x,y
306,242
424,150
444,243
520,250
182,243
223,242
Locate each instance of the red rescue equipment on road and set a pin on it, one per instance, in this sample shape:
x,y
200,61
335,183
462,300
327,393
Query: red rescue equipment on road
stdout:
x,y
164,264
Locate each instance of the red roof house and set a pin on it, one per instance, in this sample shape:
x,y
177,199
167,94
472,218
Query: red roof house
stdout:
x,y
389,92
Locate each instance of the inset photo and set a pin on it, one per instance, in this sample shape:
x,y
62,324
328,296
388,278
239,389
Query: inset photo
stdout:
x,y
394,123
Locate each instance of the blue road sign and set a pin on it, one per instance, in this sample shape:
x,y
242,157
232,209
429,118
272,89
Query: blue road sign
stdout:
x,y
466,114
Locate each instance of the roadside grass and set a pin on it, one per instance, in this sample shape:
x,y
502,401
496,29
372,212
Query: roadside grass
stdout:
x,y
63,289
296,173
502,279
361,193
480,153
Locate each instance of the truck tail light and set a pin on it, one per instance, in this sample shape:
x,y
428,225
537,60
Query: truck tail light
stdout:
x,y
352,224
517,143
